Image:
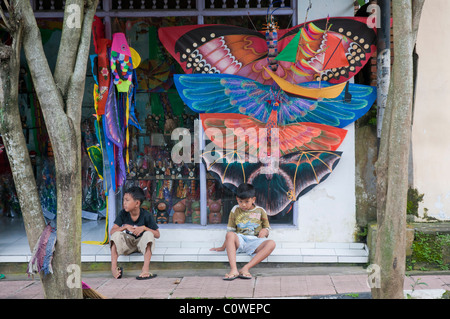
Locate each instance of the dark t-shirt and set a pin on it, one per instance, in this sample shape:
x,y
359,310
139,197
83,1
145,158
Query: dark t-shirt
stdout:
x,y
144,219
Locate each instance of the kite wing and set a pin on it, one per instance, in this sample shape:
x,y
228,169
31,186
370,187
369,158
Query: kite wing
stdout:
x,y
221,93
235,50
277,186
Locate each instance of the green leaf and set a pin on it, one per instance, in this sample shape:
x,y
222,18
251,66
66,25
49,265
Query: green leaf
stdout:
x,y
361,2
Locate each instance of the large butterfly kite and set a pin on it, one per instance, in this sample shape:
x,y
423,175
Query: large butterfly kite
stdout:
x,y
292,80
208,49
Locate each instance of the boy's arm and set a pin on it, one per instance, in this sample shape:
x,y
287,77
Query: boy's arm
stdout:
x,y
264,232
140,229
116,228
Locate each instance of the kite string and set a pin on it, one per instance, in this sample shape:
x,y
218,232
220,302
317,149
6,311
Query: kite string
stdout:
x,y
248,16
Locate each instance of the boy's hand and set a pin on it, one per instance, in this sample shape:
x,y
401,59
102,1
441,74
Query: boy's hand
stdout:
x,y
138,230
130,228
263,233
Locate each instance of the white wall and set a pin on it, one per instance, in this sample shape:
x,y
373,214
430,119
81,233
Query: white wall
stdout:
x,y
431,127
323,8
328,212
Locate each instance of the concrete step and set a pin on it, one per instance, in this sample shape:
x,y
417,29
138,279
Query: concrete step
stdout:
x,y
355,253
176,251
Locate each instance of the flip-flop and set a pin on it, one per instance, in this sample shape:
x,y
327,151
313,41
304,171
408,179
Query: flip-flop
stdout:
x,y
247,275
150,276
233,277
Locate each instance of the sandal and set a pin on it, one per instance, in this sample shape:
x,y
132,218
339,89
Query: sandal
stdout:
x,y
145,276
246,275
121,272
230,277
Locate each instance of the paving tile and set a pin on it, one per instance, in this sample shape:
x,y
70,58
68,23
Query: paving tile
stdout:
x,y
446,280
9,287
33,291
429,282
293,286
320,285
268,287
240,288
350,283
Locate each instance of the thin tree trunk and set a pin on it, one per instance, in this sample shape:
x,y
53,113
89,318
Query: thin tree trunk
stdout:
x,y
392,165
61,101
13,138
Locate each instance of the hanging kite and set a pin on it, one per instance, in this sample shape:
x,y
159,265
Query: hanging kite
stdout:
x,y
114,70
277,186
103,73
243,133
332,49
121,64
221,93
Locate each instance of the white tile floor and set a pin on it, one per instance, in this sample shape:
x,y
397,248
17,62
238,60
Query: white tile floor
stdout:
x,y
14,248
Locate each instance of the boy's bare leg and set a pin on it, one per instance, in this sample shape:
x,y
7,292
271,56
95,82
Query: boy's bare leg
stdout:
x,y
262,252
231,245
114,256
147,257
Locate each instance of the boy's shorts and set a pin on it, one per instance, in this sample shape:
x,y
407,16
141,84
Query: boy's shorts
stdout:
x,y
249,243
127,244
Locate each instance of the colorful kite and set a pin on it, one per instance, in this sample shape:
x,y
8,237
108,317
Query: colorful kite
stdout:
x,y
121,63
320,49
244,133
277,184
221,93
247,84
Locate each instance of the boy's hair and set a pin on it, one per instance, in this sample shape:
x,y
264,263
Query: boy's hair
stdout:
x,y
136,192
245,191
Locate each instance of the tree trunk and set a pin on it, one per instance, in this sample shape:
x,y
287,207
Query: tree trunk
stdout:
x,y
61,100
392,164
13,138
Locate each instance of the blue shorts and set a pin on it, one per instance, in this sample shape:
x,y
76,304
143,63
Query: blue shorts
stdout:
x,y
249,243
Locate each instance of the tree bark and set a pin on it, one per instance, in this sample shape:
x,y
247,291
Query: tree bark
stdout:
x,y
61,101
13,138
392,164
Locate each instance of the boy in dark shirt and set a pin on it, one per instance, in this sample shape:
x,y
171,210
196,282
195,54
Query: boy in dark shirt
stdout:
x,y
134,230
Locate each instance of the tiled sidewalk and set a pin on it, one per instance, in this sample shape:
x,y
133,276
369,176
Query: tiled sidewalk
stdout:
x,y
162,287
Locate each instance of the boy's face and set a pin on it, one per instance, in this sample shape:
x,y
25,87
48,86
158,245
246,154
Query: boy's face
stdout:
x,y
129,203
246,204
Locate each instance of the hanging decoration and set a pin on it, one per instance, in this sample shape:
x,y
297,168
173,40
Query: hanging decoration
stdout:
x,y
114,69
318,50
297,173
222,93
244,133
247,85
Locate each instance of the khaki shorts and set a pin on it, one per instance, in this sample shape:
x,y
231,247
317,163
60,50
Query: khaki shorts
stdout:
x,y
127,244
